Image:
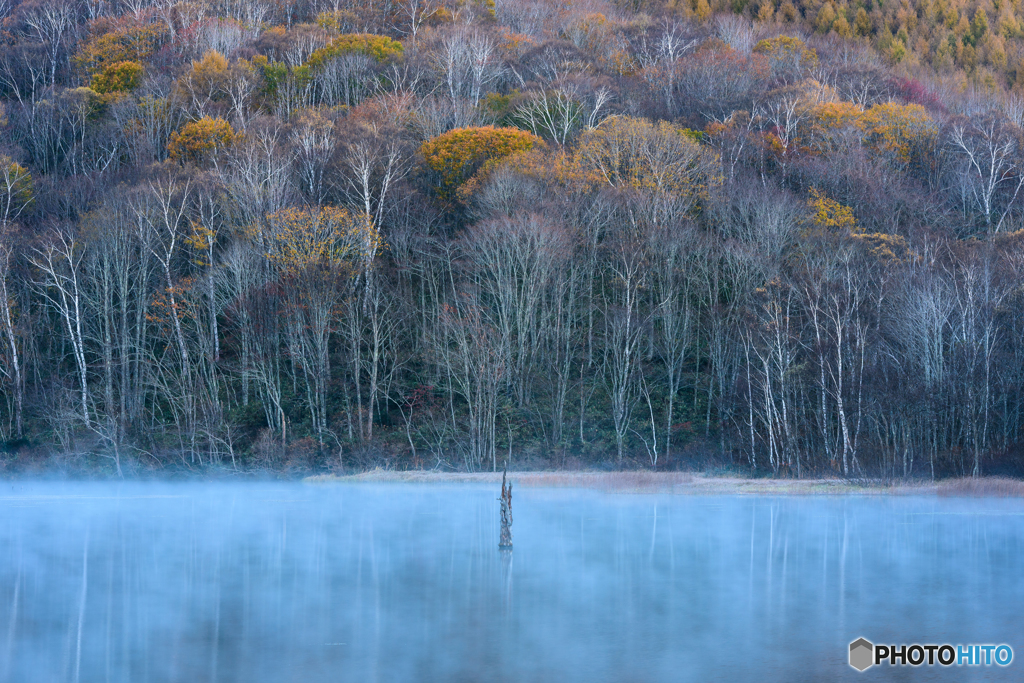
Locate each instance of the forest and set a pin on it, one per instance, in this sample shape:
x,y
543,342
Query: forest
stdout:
x,y
288,236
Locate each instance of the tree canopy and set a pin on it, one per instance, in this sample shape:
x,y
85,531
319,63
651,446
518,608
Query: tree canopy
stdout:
x,y
769,237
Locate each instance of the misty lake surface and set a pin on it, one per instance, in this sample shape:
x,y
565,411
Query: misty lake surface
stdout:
x,y
262,583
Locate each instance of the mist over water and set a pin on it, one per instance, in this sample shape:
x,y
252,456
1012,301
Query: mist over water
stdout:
x,y
290,582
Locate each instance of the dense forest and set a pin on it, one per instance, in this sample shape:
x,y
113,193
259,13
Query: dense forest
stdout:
x,y
295,235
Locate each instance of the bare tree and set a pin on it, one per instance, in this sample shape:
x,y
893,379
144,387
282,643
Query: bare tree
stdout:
x,y
416,13
676,252
512,263
468,63
469,350
313,136
625,324
257,175
7,303
560,113
59,262
989,151
54,24
660,60
344,79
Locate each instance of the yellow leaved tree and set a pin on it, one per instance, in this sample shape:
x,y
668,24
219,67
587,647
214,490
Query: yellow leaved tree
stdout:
x,y
118,77
788,57
331,238
317,254
205,82
630,153
829,215
15,189
835,220
200,140
126,41
899,131
831,124
379,48
457,156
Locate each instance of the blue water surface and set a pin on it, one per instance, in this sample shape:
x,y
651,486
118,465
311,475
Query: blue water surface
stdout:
x,y
271,583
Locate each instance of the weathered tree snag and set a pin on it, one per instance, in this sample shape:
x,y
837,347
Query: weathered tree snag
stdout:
x,y
506,511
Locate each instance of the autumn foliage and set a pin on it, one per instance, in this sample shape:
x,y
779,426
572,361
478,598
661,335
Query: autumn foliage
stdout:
x,y
200,140
898,130
830,215
787,237
457,155
324,239
118,77
639,155
379,48
121,41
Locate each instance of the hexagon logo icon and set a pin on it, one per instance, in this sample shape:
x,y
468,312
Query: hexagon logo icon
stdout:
x,y
861,654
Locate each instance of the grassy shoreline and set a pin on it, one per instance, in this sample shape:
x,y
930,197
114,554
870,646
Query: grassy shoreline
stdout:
x,y
684,483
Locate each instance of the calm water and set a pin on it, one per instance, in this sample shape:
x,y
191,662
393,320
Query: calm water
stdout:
x,y
276,583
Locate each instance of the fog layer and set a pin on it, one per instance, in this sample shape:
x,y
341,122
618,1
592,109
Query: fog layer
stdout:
x,y
291,582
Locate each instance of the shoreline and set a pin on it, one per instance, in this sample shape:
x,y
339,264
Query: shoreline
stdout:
x,y
639,482
686,483
679,483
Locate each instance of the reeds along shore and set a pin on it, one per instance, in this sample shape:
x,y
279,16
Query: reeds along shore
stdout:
x,y
999,487
694,484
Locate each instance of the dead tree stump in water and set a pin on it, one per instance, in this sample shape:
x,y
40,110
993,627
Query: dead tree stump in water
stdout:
x,y
506,512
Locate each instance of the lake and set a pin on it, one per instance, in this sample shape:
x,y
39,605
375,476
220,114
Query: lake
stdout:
x,y
255,583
